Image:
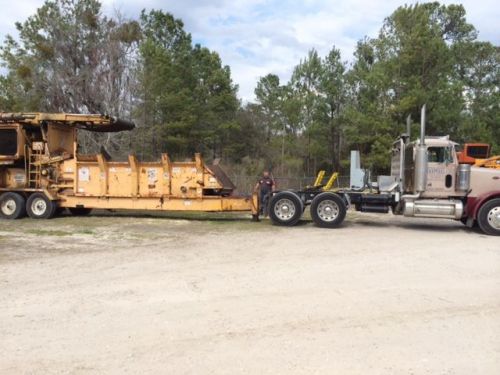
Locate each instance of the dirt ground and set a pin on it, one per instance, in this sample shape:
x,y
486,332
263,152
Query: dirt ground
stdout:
x,y
170,295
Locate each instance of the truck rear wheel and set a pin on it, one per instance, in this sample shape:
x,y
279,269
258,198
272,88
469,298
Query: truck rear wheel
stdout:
x,y
285,208
12,206
328,210
488,217
39,206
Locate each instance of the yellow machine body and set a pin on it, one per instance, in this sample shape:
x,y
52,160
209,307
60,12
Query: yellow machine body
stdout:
x,y
39,153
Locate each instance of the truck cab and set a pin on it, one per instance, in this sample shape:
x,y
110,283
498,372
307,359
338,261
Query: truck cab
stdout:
x,y
442,166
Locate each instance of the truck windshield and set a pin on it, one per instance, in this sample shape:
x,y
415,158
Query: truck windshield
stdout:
x,y
439,155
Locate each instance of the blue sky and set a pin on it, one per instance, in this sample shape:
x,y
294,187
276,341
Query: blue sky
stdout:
x,y
257,37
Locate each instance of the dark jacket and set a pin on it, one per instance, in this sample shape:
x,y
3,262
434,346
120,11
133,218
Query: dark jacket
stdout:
x,y
266,185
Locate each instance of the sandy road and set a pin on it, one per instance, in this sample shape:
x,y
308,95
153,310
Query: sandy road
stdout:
x,y
168,296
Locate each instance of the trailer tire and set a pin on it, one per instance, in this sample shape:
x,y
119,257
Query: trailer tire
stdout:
x,y
79,211
488,217
39,206
328,210
12,206
285,208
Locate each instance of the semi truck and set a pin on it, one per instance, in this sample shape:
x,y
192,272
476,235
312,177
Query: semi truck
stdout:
x,y
43,171
427,180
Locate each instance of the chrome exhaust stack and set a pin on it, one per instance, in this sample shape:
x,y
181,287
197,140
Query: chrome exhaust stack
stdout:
x,y
421,158
408,128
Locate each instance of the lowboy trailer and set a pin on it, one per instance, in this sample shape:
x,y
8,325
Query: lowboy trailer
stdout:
x,y
43,172
427,180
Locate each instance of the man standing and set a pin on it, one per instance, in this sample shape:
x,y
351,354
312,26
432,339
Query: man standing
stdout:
x,y
266,186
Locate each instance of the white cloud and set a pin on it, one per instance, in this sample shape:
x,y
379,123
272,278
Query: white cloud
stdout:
x,y
256,37
17,11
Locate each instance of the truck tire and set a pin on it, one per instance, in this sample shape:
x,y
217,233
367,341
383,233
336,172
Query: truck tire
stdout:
x,y
39,206
328,210
12,206
488,217
285,208
79,211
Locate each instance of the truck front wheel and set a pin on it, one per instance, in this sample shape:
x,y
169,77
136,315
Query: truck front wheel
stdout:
x,y
285,208
40,207
12,206
328,210
488,217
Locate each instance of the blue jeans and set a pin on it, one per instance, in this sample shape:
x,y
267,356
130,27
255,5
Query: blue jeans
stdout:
x,y
263,202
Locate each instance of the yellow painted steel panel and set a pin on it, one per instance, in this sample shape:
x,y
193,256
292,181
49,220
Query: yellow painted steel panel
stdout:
x,y
119,180
210,204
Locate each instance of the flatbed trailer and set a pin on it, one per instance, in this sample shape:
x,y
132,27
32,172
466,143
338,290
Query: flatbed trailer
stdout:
x,y
43,172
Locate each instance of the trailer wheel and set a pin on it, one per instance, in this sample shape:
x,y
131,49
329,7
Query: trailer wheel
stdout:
x,y
328,210
39,206
12,206
79,211
488,217
285,208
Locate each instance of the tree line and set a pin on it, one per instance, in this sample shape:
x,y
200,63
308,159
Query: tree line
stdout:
x,y
69,57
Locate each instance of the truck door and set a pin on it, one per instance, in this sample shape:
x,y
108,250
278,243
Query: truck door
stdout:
x,y
441,170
